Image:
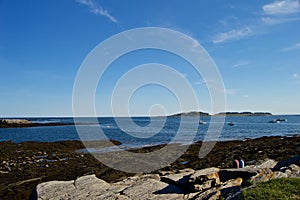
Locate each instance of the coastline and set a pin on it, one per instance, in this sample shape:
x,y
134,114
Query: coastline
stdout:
x,y
23,123
31,122
35,125
24,165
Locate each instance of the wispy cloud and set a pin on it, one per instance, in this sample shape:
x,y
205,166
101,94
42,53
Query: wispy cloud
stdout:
x,y
241,64
234,34
280,12
97,9
291,48
278,20
282,7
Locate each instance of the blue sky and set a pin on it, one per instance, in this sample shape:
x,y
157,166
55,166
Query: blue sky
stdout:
x,y
255,45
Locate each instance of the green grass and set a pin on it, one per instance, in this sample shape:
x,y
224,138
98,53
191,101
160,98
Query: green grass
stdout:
x,y
283,188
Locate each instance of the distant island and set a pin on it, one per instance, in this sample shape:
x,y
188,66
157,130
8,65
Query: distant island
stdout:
x,y
199,113
190,114
245,113
21,123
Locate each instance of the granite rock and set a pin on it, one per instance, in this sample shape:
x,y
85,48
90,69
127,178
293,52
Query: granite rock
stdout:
x,y
210,183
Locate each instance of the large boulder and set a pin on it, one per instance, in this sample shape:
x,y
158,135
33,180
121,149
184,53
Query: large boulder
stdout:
x,y
83,187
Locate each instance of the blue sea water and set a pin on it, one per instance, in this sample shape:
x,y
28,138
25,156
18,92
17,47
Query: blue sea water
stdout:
x,y
133,135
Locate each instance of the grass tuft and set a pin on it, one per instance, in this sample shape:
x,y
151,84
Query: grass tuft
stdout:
x,y
282,188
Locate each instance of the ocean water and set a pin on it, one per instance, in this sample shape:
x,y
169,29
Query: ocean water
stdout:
x,y
145,131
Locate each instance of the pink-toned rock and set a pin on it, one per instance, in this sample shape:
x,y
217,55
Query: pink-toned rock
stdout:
x,y
204,175
204,179
232,183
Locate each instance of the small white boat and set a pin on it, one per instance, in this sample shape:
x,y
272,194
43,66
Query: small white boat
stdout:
x,y
274,121
281,120
202,122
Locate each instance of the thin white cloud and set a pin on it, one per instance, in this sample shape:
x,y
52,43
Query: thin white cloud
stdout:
x,y
234,34
241,64
97,9
282,7
281,12
291,48
278,20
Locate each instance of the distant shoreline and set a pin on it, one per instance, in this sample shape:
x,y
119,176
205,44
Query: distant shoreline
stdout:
x,y
245,114
23,123
171,115
195,114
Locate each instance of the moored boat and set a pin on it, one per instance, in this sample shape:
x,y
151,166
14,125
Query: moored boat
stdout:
x,y
231,124
274,121
202,122
281,120
278,120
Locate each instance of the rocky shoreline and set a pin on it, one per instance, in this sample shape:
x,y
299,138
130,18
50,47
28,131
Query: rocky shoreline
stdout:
x,y
210,183
25,165
23,123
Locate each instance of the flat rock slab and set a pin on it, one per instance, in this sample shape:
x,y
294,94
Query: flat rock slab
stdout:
x,y
90,187
153,189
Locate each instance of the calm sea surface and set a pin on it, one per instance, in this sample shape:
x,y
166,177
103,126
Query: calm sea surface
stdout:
x,y
141,133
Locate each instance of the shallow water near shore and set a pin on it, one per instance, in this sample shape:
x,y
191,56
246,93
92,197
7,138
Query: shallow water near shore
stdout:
x,y
244,127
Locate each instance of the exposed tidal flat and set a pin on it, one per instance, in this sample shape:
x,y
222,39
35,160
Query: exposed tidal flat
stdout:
x,y
24,165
